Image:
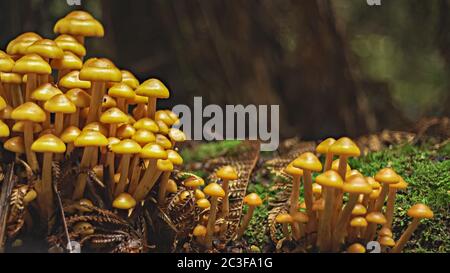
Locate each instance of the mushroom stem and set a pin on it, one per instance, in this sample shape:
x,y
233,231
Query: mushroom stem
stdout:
x,y
98,91
163,188
75,118
328,162
339,231
135,174
211,222
28,141
405,236
121,104
245,221
390,207
145,184
293,204
59,123
31,85
324,235
46,196
307,184
342,170
84,164
15,92
151,109
125,163
225,202
380,201
112,130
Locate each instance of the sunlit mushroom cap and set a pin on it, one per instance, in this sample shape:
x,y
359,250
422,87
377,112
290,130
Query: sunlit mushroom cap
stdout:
x,y
163,128
48,144
173,116
171,186
300,217
15,145
164,117
108,102
13,78
46,48
129,79
345,146
6,62
194,182
125,131
147,124
163,141
127,146
84,228
70,134
227,172
89,138
291,170
4,129
45,92
198,194
96,126
374,194
28,111
101,70
121,90
199,231
70,44
143,137
19,127
373,183
60,104
138,99
177,135
359,209
154,151
330,178
323,147
112,141
174,157
32,63
153,88
283,218
401,185
203,203
79,23
5,113
420,211
214,189
387,176
71,80
253,199
356,248
308,161
164,165
357,184
184,195
124,201
358,222
385,232
113,116
335,166
376,217
79,97
386,241
69,61
19,45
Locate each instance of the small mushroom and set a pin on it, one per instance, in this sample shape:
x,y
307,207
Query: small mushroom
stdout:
x,y
393,188
356,248
126,148
80,25
31,65
122,92
124,201
285,219
226,174
68,136
373,218
60,105
296,174
153,89
199,233
323,148
215,191
252,200
203,203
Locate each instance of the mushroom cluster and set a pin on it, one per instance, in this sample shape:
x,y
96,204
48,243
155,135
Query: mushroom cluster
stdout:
x,y
55,105
343,210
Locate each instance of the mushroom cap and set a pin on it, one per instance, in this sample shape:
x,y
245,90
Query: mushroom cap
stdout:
x,y
177,135
72,80
143,136
113,116
60,104
184,195
19,45
124,201
164,165
214,189
300,217
316,188
203,203
96,126
401,185
6,62
84,204
138,99
70,134
112,141
13,78
89,138
108,102
193,182
48,144
5,113
373,183
356,248
4,129
199,231
386,241
46,48
357,184
147,124
126,131
153,88
129,79
376,217
171,186
227,173
127,146
387,176
45,92
284,218
345,146
19,127
68,61
385,232
30,195
163,128
173,116
31,63
84,228
164,117
163,141
174,157
154,151
359,209
331,179
323,147
293,171
79,97
79,23
28,111
353,173
335,166
420,211
2,103
70,44
308,161
374,194
358,222
198,194
100,70
253,199
15,145
121,90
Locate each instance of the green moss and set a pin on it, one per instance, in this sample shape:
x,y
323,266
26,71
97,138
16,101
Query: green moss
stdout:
x,y
210,150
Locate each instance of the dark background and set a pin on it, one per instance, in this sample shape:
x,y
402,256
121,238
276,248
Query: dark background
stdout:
x,y
334,67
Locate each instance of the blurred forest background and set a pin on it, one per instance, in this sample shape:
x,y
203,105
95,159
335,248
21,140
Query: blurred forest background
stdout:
x,y
334,66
